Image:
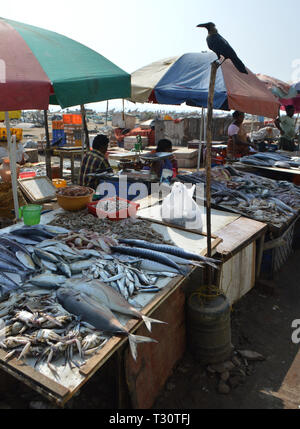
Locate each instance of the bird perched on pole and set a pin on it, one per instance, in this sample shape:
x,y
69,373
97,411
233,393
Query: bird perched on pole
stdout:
x,y
220,46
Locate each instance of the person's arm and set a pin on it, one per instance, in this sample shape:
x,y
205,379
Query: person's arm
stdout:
x,y
277,124
236,140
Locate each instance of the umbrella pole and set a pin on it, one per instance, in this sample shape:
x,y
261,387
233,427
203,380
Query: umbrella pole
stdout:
x,y
12,147
106,112
201,139
210,106
48,148
85,127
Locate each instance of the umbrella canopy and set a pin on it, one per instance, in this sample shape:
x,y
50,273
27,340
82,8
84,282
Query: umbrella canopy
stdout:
x,y
286,93
43,67
185,79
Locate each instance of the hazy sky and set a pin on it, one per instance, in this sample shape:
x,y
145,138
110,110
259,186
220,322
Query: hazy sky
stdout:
x,y
134,33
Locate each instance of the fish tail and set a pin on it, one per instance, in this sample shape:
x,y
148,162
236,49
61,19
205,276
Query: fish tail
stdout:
x,y
148,322
134,340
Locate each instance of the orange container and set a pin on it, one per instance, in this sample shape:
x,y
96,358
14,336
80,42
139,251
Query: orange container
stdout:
x,y
72,119
59,183
74,204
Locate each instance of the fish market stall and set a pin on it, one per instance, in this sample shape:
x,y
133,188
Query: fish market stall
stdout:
x,y
240,250
43,341
274,203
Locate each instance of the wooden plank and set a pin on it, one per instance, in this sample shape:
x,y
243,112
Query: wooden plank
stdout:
x,y
33,378
115,343
238,234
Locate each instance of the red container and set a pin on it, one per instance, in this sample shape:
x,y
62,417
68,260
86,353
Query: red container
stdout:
x,y
131,210
27,174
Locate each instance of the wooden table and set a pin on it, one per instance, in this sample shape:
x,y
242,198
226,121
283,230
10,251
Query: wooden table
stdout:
x,y
70,382
72,153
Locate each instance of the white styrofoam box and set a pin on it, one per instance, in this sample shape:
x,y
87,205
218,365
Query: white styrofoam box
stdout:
x,y
130,142
187,163
128,121
185,153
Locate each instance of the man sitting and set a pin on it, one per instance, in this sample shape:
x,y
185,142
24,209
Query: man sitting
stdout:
x,y
94,162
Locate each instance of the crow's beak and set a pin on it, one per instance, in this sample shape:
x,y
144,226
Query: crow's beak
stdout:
x,y
202,26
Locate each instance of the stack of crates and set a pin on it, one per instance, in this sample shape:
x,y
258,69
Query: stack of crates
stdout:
x,y
58,132
73,130
18,132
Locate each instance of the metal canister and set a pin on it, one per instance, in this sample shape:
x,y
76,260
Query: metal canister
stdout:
x,y
209,328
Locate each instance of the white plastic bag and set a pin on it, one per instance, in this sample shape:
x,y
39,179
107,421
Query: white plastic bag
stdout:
x,y
180,209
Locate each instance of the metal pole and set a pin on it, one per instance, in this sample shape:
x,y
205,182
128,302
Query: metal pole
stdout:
x,y
106,111
201,139
210,106
85,128
13,167
48,148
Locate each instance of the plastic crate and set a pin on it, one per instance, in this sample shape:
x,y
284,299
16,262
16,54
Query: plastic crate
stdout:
x,y
131,211
72,119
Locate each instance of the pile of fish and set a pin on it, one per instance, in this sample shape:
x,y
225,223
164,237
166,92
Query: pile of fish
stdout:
x,y
34,325
268,159
126,228
259,198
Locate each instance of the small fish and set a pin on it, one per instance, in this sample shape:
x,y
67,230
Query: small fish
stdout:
x,y
7,242
48,280
42,254
26,260
98,316
9,257
50,266
65,269
56,230
21,240
7,282
78,267
153,266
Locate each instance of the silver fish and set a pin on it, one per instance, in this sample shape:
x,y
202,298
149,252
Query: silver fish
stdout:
x,y
110,298
78,267
7,282
25,260
172,250
7,242
42,254
148,254
98,316
48,280
65,269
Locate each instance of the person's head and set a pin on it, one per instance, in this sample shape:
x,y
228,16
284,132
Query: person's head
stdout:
x,y
100,143
290,111
164,145
239,117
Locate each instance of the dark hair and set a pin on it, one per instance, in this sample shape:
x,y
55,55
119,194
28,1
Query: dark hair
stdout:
x,y
237,113
290,107
100,141
163,145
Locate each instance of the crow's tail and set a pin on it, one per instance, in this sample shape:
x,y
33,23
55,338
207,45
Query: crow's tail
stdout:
x,y
239,65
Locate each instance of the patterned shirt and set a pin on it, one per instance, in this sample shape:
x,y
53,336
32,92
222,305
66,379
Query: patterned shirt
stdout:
x,y
93,162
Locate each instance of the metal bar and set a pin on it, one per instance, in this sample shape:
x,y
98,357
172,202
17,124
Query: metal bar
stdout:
x,y
13,168
48,148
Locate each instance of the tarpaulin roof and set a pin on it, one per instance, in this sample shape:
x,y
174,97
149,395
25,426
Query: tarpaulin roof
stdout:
x,y
186,79
38,63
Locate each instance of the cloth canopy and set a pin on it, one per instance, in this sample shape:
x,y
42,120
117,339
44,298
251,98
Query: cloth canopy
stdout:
x,y
185,79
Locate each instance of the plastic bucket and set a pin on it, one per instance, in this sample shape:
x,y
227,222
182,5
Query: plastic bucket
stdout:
x,y
31,214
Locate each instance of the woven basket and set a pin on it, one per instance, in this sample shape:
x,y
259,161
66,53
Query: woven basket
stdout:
x,y
7,200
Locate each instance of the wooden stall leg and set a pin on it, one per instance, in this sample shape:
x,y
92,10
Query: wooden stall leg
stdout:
x,y
123,397
260,256
61,165
72,168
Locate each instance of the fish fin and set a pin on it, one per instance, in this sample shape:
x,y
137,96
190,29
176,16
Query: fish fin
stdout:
x,y
134,340
148,321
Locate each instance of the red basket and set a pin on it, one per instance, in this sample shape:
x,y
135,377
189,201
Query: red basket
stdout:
x,y
131,210
27,175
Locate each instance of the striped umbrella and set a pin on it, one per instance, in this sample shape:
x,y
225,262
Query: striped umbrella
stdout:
x,y
39,67
185,79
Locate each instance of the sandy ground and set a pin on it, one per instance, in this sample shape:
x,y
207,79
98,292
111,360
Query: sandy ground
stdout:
x,y
261,322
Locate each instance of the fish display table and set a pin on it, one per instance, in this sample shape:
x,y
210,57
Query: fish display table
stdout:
x,y
167,304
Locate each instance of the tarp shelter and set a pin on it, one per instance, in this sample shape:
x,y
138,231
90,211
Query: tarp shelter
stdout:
x,y
40,67
185,79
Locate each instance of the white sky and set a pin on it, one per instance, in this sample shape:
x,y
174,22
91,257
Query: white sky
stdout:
x,y
134,33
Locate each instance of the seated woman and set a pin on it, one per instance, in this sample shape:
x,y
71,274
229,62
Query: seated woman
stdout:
x,y
238,143
165,146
